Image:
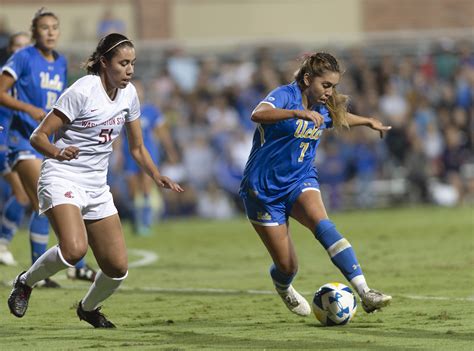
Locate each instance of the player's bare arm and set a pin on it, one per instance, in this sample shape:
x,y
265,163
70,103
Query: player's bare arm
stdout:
x,y
40,138
266,113
141,155
374,123
6,83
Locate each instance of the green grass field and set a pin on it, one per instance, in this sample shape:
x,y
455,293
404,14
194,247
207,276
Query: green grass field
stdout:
x,y
210,289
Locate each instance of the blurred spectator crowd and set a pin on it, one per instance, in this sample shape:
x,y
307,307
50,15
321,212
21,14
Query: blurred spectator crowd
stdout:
x,y
427,98
207,100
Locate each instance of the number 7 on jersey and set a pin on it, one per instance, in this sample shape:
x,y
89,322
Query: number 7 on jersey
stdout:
x,y
304,146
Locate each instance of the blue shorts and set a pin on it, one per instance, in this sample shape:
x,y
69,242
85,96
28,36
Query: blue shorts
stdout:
x,y
4,167
276,212
20,149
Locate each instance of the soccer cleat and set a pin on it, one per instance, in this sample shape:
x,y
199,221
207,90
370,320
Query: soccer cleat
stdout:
x,y
47,283
6,256
19,297
86,273
295,302
94,318
373,300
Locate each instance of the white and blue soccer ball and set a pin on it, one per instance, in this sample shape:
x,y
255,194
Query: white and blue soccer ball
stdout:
x,y
334,304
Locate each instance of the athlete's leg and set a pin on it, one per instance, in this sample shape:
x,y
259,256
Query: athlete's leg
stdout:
x,y
277,240
13,212
133,186
310,211
69,227
29,171
147,211
108,245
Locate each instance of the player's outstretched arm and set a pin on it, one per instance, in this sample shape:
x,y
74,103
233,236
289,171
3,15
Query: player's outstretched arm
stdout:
x,y
49,126
374,123
266,113
142,157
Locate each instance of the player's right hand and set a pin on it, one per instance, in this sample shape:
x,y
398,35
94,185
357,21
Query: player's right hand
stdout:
x,y
167,183
68,153
311,116
37,113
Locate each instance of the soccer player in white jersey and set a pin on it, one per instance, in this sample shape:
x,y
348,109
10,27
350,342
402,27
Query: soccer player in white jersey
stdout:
x,y
72,189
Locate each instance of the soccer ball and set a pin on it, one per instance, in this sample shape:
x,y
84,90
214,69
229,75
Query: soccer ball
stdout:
x,y
334,304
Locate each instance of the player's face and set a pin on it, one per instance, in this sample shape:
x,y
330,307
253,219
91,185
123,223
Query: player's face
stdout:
x,y
119,70
321,88
46,34
19,42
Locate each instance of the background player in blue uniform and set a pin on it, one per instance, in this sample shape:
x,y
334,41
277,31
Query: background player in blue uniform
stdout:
x,y
14,207
139,183
38,75
280,179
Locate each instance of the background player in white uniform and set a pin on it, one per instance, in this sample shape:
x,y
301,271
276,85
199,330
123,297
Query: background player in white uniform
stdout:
x,y
72,188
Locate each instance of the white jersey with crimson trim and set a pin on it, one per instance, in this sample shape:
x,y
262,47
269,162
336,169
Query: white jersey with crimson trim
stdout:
x,y
95,122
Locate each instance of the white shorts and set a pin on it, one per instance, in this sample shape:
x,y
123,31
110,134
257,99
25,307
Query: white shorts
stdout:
x,y
94,204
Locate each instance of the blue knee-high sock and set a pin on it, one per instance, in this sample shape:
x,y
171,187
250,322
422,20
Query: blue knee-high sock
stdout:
x,y
281,280
147,212
81,263
338,248
39,233
13,213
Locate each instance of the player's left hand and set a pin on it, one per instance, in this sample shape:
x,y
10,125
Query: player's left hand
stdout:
x,y
68,153
375,124
165,182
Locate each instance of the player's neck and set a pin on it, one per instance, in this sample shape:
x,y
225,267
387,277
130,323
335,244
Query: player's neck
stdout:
x,y
109,90
46,53
306,103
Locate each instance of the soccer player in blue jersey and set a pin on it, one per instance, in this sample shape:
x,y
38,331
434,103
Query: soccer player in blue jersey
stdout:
x,y
139,183
38,74
14,207
280,179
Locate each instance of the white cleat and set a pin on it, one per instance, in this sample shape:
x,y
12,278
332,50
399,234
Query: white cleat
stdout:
x,y
6,256
373,300
295,302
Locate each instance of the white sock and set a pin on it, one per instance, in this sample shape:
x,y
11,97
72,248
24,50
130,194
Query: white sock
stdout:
x,y
101,289
359,284
48,264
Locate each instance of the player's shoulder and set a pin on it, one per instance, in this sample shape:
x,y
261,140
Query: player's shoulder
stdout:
x,y
24,53
289,89
86,85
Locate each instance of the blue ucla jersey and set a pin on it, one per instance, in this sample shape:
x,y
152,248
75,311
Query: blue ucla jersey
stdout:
x,y
282,153
37,82
5,119
150,118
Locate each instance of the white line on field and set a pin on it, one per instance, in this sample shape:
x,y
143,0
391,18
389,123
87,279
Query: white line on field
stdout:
x,y
147,258
156,289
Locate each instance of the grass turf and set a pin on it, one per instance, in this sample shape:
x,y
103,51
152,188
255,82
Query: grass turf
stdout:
x,y
210,289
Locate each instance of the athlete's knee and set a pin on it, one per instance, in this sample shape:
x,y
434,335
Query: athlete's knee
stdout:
x,y
117,271
73,252
22,198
